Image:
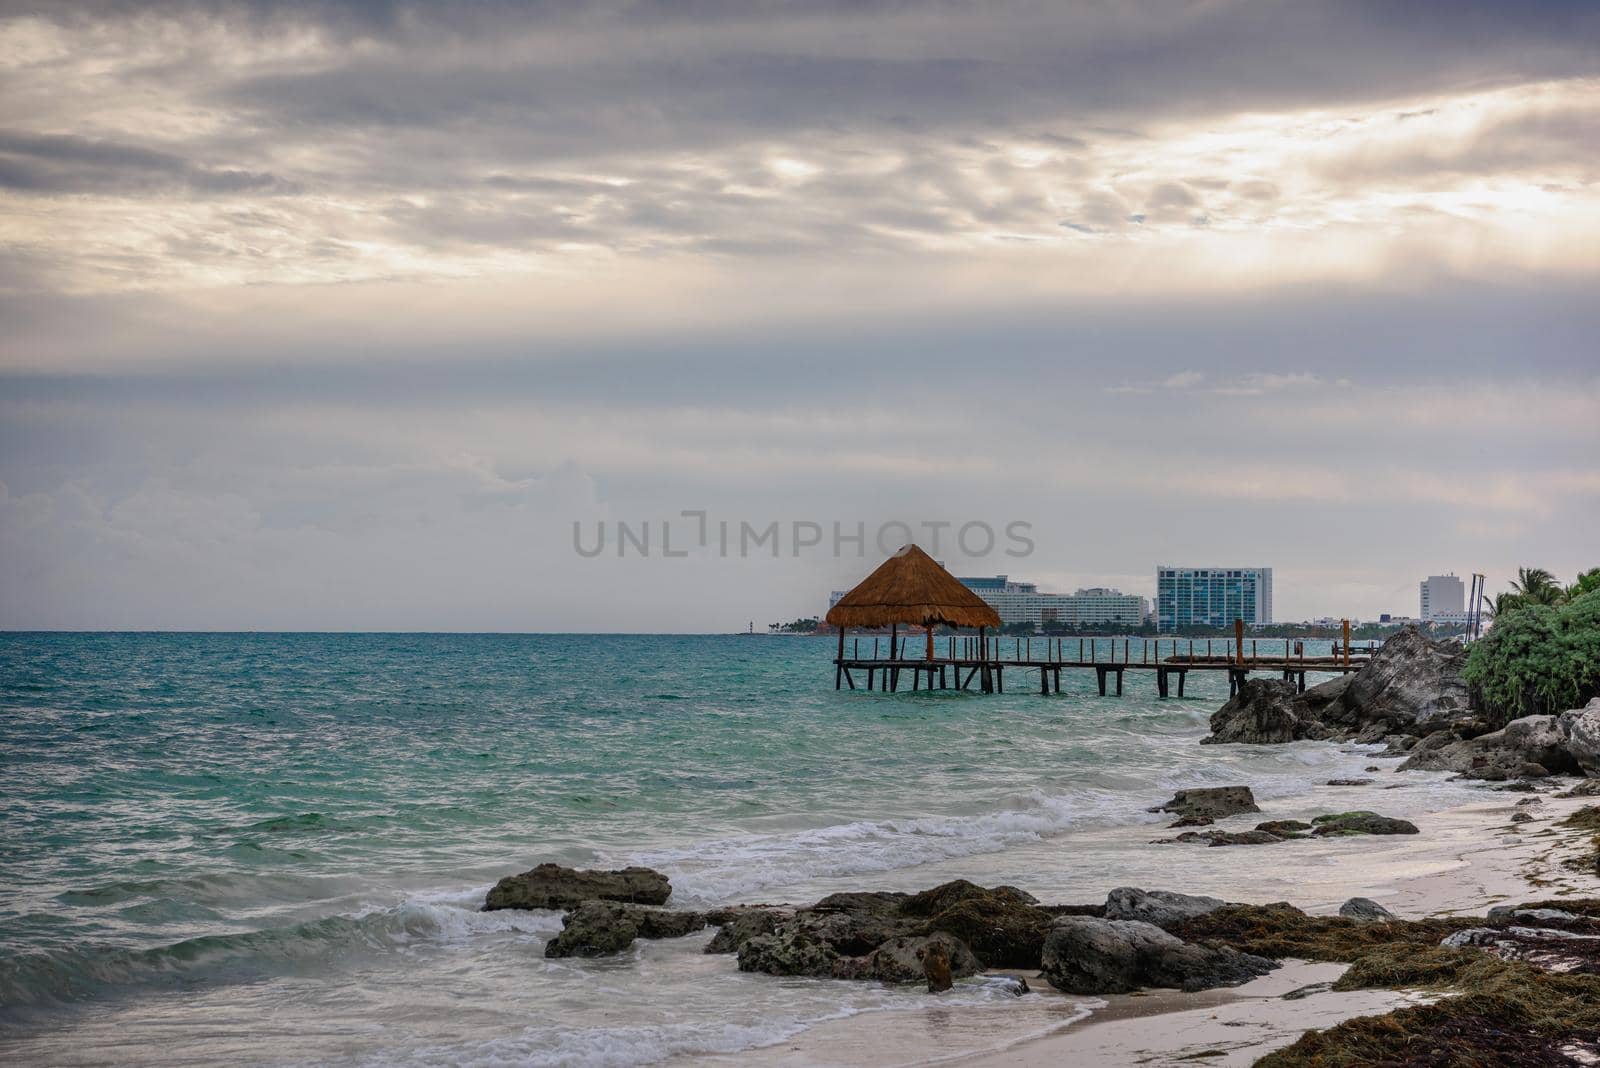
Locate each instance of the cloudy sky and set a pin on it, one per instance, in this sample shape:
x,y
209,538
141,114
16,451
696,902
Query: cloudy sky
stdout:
x,y
342,315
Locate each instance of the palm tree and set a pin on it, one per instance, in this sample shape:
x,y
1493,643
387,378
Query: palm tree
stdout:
x,y
1588,581
1535,585
1505,602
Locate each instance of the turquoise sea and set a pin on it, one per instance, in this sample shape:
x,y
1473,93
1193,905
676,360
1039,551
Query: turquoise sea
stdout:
x,y
271,848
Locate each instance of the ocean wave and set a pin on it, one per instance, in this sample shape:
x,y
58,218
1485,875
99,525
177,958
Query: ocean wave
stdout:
x,y
40,980
722,870
214,888
730,869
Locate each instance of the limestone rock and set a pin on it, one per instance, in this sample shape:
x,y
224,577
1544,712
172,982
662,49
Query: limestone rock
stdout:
x,y
792,949
1412,683
1228,838
1191,821
937,958
553,886
1160,907
596,928
1365,910
736,926
1217,802
1581,729
1264,711
1087,955
1002,926
1529,747
1352,823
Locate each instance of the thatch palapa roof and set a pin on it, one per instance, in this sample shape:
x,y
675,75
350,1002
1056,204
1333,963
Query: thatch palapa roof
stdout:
x,y
911,587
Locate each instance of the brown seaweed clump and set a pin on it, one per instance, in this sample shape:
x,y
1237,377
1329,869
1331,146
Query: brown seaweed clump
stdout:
x,y
1504,1013
1494,1010
1281,930
1586,818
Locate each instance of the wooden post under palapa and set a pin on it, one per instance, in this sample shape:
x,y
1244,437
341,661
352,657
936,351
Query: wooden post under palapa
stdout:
x,y
838,672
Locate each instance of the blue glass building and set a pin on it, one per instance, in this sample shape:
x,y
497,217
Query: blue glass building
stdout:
x,y
1212,596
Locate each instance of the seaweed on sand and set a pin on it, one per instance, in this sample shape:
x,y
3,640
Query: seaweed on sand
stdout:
x,y
1503,1013
1586,818
1281,930
1492,1010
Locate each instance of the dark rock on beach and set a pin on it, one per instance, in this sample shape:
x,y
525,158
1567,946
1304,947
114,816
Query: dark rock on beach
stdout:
x,y
1529,747
552,886
999,927
1365,910
937,959
1191,821
1228,838
791,949
1215,802
1004,926
1265,711
1352,823
1285,828
737,925
596,928
1086,955
1412,686
1160,907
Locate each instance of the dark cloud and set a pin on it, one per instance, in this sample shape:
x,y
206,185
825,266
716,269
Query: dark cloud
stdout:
x,y
50,164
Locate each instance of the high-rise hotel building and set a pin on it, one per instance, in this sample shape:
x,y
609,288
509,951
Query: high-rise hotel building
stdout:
x,y
1212,596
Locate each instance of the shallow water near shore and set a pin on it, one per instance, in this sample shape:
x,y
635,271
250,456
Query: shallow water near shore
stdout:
x,y
271,848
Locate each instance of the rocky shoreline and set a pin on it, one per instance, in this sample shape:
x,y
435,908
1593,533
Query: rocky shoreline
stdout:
x,y
1529,973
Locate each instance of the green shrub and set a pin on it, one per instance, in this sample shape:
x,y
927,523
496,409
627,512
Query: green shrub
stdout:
x,y
1538,659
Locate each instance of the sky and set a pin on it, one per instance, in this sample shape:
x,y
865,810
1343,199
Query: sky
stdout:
x,y
386,316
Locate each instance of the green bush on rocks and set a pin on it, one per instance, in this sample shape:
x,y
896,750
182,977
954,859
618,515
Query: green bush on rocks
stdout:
x,y
1537,660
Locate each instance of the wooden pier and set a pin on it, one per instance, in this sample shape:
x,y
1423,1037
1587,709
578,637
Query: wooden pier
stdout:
x,y
981,662
912,588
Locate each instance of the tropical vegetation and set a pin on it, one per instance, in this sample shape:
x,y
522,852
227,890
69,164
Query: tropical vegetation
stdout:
x,y
1536,586
1543,654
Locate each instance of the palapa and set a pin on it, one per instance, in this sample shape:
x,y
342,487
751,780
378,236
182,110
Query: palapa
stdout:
x,y
910,587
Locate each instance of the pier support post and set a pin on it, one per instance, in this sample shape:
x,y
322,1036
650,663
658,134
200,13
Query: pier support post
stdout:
x,y
1100,679
1181,676
838,670
1119,682
1161,681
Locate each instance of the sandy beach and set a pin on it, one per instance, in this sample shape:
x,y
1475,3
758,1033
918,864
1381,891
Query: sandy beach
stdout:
x,y
1467,859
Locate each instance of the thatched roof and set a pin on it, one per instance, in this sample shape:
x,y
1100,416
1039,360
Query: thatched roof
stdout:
x,y
911,587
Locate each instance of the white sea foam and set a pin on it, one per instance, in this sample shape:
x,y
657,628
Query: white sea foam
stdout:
x,y
735,868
